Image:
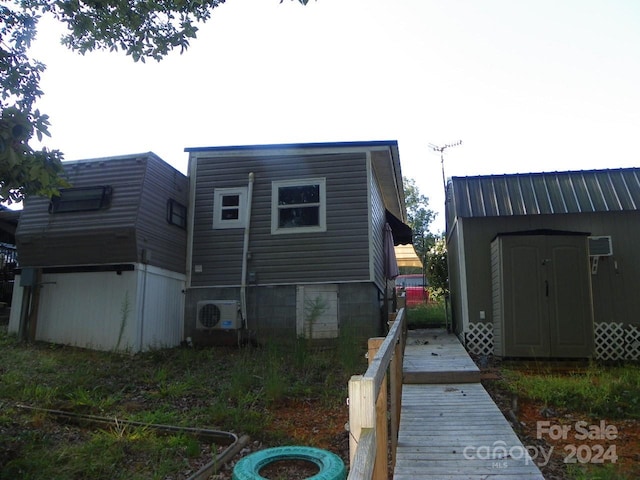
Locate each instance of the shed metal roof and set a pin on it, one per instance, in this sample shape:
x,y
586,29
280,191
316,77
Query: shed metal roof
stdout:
x,y
546,193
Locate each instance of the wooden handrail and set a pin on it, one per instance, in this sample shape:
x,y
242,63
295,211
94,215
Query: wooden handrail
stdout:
x,y
368,436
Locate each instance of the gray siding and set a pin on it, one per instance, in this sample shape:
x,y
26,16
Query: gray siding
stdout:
x,y
339,254
378,221
135,220
165,245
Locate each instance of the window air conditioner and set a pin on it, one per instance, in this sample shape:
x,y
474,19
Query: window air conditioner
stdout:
x,y
600,246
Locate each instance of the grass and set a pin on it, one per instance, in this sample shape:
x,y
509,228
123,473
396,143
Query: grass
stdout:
x,y
219,388
597,392
607,471
601,391
428,315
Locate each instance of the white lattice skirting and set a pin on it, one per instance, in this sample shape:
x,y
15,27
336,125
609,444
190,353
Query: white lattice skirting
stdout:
x,y
613,341
479,338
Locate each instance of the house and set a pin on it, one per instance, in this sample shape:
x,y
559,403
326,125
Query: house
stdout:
x,y
103,263
289,240
546,264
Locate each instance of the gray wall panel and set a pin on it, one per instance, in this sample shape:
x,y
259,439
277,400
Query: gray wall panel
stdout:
x,y
614,286
135,220
339,254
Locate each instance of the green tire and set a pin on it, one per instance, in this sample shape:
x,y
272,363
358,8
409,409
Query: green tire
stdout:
x,y
331,466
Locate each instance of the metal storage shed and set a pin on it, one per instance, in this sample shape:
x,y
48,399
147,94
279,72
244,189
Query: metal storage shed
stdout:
x,y
602,205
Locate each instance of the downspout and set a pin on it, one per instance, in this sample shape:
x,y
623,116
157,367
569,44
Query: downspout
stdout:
x,y
245,254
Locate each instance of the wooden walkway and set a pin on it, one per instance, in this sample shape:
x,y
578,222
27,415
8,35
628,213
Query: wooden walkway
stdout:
x,y
435,356
450,428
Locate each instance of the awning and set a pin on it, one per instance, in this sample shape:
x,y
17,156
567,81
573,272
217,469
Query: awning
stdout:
x,y
390,262
406,256
402,233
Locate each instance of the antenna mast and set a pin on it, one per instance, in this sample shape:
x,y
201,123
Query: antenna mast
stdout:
x,y
441,149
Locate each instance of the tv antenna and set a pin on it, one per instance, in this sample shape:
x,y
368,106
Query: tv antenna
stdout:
x,y
441,149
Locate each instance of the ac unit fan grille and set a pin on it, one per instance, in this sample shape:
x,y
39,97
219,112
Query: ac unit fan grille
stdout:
x,y
209,315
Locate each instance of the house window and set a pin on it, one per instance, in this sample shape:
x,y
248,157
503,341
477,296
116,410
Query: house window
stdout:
x,y
81,199
229,207
176,213
298,206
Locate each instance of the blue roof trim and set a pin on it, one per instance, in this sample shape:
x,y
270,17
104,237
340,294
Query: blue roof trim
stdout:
x,y
278,146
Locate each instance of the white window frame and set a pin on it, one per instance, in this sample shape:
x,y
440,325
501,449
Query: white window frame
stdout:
x,y
218,195
275,208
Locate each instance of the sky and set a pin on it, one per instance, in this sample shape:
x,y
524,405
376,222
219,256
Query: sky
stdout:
x,y
527,86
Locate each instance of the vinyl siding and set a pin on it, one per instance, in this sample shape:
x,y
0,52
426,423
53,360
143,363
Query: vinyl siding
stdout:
x,y
135,220
378,220
338,254
165,244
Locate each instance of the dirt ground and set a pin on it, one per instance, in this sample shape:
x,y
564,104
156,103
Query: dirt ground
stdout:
x,y
310,423
574,437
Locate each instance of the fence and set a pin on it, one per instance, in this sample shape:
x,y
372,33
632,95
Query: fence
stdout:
x,y
369,435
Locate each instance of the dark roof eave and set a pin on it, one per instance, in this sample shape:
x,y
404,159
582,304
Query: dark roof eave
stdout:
x,y
280,146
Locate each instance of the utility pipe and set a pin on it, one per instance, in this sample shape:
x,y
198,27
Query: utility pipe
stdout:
x,y
245,254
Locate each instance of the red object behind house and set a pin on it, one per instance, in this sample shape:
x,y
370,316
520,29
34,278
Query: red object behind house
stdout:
x,y
414,287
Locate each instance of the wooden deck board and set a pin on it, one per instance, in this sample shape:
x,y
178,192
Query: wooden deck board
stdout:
x,y
435,356
442,425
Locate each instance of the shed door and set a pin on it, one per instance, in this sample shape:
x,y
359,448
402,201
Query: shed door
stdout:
x,y
317,311
546,296
526,324
569,298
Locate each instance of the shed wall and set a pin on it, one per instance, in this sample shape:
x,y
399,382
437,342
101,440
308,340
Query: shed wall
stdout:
x,y
613,285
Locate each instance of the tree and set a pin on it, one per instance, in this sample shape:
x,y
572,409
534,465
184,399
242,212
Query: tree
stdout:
x,y
419,216
147,29
437,268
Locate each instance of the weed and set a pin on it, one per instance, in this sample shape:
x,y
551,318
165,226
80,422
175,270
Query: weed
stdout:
x,y
40,394
428,315
610,392
221,388
596,472
93,399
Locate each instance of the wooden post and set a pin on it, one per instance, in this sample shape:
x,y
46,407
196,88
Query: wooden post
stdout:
x,y
380,469
362,411
396,397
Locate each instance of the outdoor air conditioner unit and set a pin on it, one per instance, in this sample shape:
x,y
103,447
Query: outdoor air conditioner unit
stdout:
x,y
218,315
600,246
